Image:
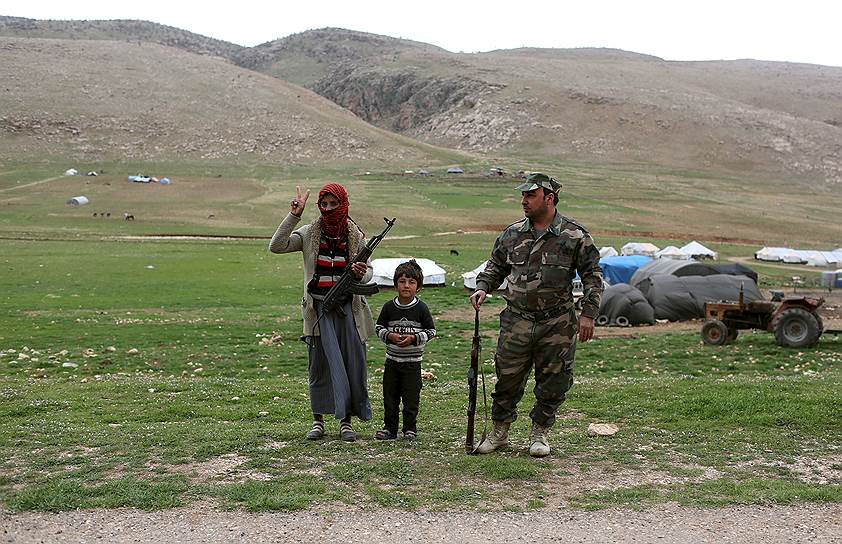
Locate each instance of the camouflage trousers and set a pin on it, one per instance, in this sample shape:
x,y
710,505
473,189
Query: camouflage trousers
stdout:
x,y
550,347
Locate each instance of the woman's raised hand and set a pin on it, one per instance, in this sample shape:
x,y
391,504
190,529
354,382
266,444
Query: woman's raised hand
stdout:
x,y
296,205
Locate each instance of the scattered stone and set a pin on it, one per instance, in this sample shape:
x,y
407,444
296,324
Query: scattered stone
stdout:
x,y
69,365
263,413
235,399
602,429
112,349
276,398
132,351
151,389
22,356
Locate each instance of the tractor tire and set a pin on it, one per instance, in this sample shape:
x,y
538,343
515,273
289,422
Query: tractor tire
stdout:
x,y
622,321
797,328
714,332
602,320
732,335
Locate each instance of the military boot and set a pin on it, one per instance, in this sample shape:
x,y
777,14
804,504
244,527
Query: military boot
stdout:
x,y
538,445
498,438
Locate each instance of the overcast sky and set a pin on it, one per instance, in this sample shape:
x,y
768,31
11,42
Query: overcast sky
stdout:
x,y
796,31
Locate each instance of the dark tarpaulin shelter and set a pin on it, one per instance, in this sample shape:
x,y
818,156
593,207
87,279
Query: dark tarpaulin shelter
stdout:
x,y
736,269
624,300
682,298
673,267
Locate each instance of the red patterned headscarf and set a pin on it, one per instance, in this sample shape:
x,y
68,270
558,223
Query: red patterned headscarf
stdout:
x,y
335,221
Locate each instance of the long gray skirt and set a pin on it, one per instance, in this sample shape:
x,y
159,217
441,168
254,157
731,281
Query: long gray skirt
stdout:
x,y
338,368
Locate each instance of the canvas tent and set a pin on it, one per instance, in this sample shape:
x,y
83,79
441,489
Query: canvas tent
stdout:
x,y
384,271
607,251
455,170
620,269
78,201
71,172
697,251
639,248
680,299
469,279
626,301
773,254
671,252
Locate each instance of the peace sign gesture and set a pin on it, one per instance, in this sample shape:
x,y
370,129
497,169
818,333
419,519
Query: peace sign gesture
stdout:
x,y
296,205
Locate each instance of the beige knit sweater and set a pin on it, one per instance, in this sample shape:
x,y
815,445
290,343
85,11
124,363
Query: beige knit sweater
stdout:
x,y
306,240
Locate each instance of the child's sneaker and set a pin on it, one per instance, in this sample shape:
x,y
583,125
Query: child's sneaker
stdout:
x,y
385,434
410,435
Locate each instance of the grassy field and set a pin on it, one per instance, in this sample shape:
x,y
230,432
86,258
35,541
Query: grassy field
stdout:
x,y
134,372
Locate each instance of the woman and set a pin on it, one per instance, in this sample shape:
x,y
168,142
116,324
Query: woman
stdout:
x,y
338,369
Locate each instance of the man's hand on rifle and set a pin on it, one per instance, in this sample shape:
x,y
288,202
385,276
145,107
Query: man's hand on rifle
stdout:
x,y
359,269
477,298
296,205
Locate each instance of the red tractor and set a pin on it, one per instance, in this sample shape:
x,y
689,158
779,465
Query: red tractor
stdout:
x,y
794,321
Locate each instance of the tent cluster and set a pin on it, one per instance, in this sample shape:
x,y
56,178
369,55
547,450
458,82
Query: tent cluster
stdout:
x,y
800,256
140,178
693,250
384,271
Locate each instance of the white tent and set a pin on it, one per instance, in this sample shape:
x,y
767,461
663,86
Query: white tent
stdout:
x,y
384,271
469,279
607,251
698,251
671,252
771,253
639,248
78,201
793,257
71,172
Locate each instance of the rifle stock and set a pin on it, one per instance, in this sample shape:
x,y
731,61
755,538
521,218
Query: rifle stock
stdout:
x,y
473,372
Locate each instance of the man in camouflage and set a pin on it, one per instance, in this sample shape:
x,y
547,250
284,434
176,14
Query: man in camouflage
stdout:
x,y
538,257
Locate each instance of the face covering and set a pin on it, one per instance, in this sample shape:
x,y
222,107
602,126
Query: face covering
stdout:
x,y
335,221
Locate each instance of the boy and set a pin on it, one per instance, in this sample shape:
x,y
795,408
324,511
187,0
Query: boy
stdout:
x,y
405,326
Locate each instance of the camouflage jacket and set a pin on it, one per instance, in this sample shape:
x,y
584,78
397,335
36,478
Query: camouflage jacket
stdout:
x,y
539,272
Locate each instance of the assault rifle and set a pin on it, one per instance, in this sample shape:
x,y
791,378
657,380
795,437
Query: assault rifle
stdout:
x,y
348,283
473,371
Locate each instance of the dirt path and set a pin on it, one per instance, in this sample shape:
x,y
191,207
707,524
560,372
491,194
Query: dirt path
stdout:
x,y
30,184
668,524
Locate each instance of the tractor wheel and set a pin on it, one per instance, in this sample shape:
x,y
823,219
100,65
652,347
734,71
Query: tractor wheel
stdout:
x,y
622,321
602,320
714,332
732,335
797,328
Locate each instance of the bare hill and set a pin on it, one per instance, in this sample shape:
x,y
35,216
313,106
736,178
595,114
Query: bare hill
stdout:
x,y
598,105
99,99
117,30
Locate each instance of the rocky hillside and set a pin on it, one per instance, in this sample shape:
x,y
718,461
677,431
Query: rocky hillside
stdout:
x,y
99,99
118,30
599,105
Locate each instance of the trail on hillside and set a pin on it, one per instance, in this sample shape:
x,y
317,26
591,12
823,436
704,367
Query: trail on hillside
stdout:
x,y
30,184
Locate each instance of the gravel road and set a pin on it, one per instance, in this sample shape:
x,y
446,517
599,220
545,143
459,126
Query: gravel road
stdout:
x,y
669,524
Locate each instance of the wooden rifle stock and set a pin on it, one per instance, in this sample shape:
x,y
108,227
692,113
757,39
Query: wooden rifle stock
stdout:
x,y
473,372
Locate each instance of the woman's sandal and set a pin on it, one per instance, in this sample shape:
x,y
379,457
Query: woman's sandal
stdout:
x,y
317,432
385,434
346,432
410,435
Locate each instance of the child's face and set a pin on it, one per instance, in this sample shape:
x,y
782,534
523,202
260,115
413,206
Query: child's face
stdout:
x,y
407,287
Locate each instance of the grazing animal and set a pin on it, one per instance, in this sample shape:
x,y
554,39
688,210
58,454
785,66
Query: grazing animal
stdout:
x,y
108,214
211,216
94,214
128,217
454,252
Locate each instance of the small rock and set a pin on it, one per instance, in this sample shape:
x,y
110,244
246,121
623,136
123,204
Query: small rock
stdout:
x,y
235,399
132,351
602,429
263,414
112,349
69,365
22,356
276,398
151,389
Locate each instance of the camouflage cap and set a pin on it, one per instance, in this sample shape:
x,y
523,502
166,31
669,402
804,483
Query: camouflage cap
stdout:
x,y
536,180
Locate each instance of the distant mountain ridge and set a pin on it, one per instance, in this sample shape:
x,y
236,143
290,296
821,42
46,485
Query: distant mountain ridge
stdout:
x,y
591,104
